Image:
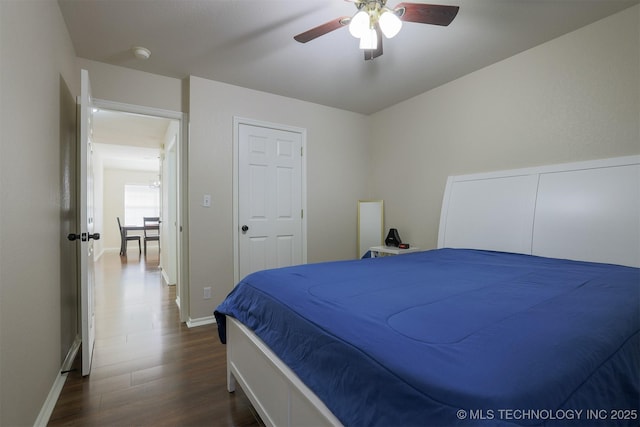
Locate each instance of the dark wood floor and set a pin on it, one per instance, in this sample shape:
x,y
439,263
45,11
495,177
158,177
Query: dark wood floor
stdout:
x,y
148,368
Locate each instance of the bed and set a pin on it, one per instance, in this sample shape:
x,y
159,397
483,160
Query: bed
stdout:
x,y
526,314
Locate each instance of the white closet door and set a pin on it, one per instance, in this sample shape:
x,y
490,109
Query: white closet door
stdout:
x,y
270,198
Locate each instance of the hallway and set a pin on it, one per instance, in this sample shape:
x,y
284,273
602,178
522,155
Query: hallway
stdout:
x,y
148,368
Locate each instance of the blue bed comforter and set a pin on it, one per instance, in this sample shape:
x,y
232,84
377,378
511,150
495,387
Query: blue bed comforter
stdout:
x,y
454,337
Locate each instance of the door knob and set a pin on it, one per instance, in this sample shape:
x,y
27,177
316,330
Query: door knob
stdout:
x,y
245,228
84,236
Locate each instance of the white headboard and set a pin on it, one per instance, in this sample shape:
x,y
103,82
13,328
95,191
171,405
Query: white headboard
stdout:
x,y
588,211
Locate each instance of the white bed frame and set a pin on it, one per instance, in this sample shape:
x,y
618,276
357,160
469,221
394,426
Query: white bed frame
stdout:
x,y
587,211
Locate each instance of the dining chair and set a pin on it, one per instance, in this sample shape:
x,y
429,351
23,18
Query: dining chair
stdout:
x,y
151,231
125,238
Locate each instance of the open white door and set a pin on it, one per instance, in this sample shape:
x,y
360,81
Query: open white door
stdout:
x,y
86,235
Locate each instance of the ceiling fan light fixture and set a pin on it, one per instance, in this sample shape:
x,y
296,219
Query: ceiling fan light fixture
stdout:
x,y
374,19
390,24
360,23
369,40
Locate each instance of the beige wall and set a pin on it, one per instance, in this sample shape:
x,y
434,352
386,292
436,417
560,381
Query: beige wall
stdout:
x,y
337,161
574,98
38,65
118,84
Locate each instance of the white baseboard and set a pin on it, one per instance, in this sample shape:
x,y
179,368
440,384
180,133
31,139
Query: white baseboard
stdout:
x,y
71,354
201,321
50,402
105,251
165,277
52,398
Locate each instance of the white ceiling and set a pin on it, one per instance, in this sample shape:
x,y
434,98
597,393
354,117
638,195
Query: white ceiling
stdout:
x,y
250,43
128,141
115,127
128,158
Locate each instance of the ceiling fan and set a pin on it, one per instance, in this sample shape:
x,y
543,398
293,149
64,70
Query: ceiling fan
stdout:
x,y
374,19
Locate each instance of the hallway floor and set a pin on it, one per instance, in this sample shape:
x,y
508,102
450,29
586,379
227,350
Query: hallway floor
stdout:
x,y
148,368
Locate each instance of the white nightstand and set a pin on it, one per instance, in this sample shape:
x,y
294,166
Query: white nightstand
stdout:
x,y
378,251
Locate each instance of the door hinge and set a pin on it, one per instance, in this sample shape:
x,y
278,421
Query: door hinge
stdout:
x,y
301,213
301,148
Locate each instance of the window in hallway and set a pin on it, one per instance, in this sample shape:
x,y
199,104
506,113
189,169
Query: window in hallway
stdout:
x,y
140,201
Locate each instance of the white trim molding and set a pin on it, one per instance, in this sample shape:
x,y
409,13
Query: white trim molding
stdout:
x,y
200,321
52,398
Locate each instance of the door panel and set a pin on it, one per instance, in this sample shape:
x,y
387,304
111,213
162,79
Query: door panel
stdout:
x,y
286,248
258,186
258,248
86,260
69,301
285,193
270,198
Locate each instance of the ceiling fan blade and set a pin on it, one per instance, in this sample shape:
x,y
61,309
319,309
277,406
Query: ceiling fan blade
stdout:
x,y
323,29
374,53
426,13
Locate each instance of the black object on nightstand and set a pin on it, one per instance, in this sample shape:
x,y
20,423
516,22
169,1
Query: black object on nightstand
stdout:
x,y
393,238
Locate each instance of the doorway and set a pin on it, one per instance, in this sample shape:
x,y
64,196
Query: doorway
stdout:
x,y
141,147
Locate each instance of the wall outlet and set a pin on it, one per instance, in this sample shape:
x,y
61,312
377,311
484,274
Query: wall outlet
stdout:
x,y
207,292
